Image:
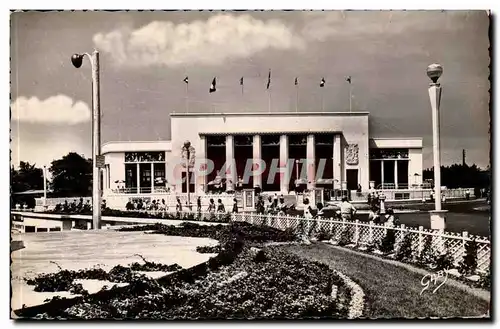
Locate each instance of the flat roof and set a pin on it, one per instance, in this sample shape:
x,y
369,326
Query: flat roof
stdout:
x,y
404,142
180,115
136,146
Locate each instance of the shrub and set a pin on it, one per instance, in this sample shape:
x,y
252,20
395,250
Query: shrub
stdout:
x,y
371,246
485,280
260,257
405,252
209,249
345,237
324,234
469,263
387,244
444,262
427,255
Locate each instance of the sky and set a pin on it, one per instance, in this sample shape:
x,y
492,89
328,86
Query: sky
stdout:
x,y
144,57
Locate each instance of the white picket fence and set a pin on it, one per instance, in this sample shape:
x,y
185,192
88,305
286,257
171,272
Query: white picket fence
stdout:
x,y
360,233
363,233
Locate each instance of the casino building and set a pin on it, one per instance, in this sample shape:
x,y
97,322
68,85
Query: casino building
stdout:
x,y
339,144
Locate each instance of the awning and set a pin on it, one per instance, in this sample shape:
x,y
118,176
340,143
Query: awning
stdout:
x,y
31,192
328,181
300,181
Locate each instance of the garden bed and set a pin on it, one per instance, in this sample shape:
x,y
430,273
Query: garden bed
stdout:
x,y
240,282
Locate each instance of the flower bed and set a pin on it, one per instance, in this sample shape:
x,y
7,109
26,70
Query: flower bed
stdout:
x,y
235,284
283,286
64,279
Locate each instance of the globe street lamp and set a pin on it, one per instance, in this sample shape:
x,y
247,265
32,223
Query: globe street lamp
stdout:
x,y
434,71
77,60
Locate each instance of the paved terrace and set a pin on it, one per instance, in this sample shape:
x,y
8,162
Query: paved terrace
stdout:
x,y
74,250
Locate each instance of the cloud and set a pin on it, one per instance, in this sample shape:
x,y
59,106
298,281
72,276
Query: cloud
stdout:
x,y
54,145
212,42
58,109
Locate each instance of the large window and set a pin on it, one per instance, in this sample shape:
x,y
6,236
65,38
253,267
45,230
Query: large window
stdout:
x,y
270,152
323,150
216,151
144,171
243,153
297,150
159,175
130,177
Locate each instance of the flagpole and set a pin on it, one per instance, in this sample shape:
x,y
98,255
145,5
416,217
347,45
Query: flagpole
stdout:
x,y
350,97
322,99
187,97
296,97
269,103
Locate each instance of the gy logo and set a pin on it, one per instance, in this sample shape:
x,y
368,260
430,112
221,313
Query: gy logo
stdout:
x,y
437,279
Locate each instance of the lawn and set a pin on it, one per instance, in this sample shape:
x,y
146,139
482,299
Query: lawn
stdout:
x,y
392,291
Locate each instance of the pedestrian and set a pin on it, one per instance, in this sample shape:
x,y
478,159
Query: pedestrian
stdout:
x,y
260,206
235,206
220,206
347,210
178,207
282,207
211,206
467,194
306,222
198,205
373,215
390,219
269,205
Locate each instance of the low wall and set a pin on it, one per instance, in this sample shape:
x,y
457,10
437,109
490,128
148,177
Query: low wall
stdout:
x,y
417,194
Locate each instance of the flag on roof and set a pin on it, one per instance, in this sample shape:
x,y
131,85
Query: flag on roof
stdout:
x,y
212,86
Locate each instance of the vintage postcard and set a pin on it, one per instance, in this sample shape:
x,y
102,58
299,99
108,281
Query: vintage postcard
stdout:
x,y
194,165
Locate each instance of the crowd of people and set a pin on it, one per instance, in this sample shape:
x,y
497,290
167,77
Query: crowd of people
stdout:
x,y
273,206
140,204
76,207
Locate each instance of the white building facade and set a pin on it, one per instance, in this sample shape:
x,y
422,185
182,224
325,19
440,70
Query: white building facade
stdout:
x,y
276,152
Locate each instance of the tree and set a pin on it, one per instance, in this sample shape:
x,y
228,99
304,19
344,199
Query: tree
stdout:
x,y
71,175
27,177
459,175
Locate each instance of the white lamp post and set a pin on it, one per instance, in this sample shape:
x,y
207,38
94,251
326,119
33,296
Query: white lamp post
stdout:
x,y
187,148
77,60
44,188
434,71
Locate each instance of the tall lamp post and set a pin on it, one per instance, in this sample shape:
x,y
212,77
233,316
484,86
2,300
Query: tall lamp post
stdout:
x,y
77,60
44,188
434,71
186,148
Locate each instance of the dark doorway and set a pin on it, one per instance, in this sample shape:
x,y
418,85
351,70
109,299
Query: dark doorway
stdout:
x,y
352,179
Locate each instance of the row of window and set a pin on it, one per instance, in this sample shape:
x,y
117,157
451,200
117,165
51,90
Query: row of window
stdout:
x,y
293,139
144,156
389,154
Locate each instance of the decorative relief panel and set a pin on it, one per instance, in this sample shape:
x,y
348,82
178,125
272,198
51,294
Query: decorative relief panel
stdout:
x,y
352,154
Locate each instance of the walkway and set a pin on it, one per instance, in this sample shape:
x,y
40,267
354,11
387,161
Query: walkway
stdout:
x,y
393,291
